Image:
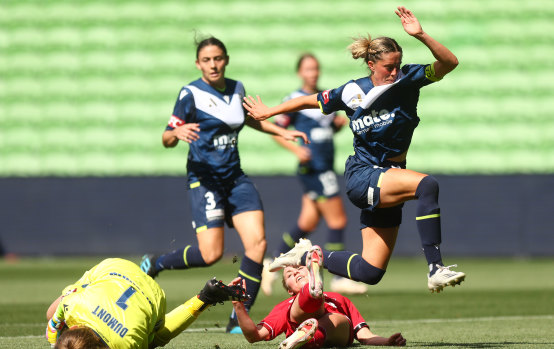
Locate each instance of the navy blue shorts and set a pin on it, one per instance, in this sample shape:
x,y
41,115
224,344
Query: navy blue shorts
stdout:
x,y
318,185
363,188
214,203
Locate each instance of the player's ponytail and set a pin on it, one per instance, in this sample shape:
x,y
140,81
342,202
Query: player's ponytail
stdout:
x,y
371,50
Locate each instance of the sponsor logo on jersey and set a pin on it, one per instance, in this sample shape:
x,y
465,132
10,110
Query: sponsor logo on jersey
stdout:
x,y
371,121
222,142
325,95
175,121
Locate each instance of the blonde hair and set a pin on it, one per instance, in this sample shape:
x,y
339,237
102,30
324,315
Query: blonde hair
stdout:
x,y
371,50
79,338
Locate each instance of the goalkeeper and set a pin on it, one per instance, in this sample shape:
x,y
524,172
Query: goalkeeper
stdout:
x,y
116,305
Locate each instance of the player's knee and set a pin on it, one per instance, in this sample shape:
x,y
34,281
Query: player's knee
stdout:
x,y
212,256
256,246
427,194
368,273
428,186
338,222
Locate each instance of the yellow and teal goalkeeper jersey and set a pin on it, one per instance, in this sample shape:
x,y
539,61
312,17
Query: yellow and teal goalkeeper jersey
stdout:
x,y
117,300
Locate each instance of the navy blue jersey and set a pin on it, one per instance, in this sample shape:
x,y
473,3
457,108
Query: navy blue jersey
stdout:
x,y
382,118
320,131
221,116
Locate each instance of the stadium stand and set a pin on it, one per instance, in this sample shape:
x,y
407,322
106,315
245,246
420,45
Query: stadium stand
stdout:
x,y
86,87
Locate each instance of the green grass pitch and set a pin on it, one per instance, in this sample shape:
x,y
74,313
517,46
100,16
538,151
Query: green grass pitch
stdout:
x,y
504,303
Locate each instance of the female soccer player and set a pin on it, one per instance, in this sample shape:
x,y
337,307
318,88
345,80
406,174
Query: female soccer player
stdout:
x,y
116,305
311,318
383,115
209,115
316,173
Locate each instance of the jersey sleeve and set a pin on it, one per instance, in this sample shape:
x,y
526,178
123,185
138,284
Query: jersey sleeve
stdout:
x,y
358,321
420,74
183,110
332,100
276,321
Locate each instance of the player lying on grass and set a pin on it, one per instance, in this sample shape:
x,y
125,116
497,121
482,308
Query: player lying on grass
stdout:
x,y
116,305
311,318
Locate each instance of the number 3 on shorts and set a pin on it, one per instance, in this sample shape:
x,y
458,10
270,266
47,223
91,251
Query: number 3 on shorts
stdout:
x,y
210,201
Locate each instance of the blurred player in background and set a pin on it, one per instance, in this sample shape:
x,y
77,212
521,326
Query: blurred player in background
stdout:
x,y
311,318
116,305
383,115
209,115
321,197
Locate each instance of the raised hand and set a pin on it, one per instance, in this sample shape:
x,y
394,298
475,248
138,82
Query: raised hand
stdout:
x,y
409,21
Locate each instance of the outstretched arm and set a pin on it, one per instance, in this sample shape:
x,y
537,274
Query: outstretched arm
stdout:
x,y
260,111
446,60
271,128
251,332
366,337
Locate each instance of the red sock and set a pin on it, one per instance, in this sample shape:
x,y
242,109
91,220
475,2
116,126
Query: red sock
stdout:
x,y
317,341
307,302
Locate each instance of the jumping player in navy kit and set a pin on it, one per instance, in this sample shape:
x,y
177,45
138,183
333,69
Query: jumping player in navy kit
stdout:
x,y
321,194
383,115
209,115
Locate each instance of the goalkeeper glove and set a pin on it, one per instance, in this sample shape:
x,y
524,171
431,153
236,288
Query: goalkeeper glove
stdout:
x,y
54,329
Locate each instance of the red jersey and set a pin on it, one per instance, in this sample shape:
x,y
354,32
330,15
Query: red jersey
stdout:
x,y
278,320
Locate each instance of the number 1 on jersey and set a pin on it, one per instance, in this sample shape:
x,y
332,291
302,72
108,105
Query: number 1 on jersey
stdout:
x,y
122,301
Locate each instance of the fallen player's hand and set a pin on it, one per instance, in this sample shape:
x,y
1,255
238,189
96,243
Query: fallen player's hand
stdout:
x,y
54,329
238,281
397,340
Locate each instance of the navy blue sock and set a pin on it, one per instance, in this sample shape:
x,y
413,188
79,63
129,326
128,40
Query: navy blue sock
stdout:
x,y
335,240
428,220
352,266
183,258
251,272
289,239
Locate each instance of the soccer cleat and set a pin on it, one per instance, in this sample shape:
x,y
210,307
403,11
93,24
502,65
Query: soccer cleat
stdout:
x,y
217,292
267,278
444,277
292,257
314,262
303,334
343,285
148,265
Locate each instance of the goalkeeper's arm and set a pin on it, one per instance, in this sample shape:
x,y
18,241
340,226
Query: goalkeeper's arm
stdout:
x,y
56,321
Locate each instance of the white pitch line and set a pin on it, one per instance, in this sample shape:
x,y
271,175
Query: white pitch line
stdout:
x,y
468,319
380,322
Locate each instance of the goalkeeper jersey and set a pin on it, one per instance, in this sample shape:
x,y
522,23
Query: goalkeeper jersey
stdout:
x,y
118,301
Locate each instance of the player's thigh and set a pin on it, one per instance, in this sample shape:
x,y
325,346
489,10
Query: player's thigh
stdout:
x,y
250,227
378,244
332,210
338,330
309,214
211,244
398,186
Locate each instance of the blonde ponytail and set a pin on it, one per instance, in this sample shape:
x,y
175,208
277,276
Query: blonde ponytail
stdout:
x,y
371,50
